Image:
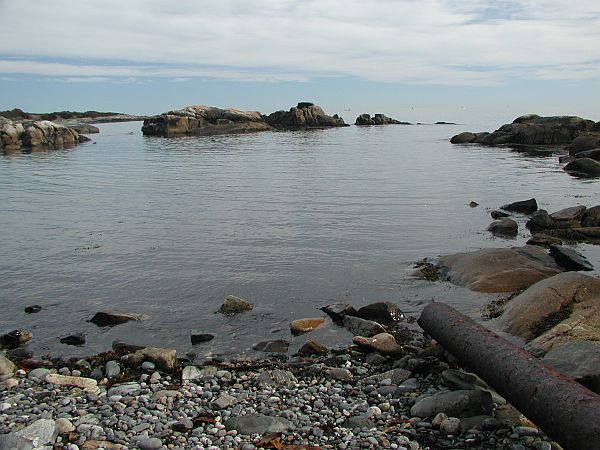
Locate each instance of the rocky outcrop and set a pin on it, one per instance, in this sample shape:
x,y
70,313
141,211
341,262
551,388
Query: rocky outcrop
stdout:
x,y
304,115
584,142
576,223
533,130
378,119
498,269
36,135
203,120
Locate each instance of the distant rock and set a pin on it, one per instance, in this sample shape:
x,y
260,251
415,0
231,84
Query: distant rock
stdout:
x,y
83,128
304,115
532,130
522,207
73,339
35,135
378,119
201,120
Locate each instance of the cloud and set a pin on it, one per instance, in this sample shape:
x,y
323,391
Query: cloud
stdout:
x,y
471,42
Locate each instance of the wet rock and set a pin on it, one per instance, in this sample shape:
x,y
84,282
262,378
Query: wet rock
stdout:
x,y
33,309
27,134
523,207
198,337
593,153
468,137
499,214
483,422
274,346
543,240
7,367
362,327
301,326
462,403
87,384
359,422
338,311
540,220
504,227
381,312
276,377
574,213
458,379
498,269
73,339
234,305
569,296
383,343
165,358
112,369
107,318
584,143
15,338
39,433
569,259
585,167
257,424
579,360
473,204
122,348
312,347
591,217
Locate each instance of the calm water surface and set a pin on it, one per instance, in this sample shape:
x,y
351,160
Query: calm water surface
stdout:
x,y
290,221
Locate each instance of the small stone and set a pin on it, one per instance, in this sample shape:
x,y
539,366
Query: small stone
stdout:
x,y
383,343
190,373
33,309
234,305
73,339
312,347
438,419
107,318
39,433
148,366
301,326
112,369
7,367
341,374
223,401
39,373
198,337
64,426
451,425
149,444
257,424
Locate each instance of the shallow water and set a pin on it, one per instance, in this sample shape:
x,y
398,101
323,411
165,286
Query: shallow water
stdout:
x,y
288,220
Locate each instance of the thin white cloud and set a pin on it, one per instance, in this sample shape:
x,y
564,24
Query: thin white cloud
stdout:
x,y
471,42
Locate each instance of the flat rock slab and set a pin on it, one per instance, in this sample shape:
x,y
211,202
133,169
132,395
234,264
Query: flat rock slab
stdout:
x,y
498,269
40,432
569,259
87,384
568,214
579,360
257,424
462,403
522,207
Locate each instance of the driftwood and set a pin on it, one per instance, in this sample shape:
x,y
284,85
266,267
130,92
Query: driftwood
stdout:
x,y
561,407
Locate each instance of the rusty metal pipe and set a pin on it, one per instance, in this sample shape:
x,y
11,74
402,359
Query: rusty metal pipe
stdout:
x,y
565,410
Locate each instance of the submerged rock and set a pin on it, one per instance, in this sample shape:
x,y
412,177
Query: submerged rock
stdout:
x,y
274,346
73,339
198,337
109,318
504,227
234,305
584,167
522,207
312,347
15,338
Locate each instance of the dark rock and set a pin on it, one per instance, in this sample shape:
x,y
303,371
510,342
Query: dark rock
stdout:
x,y
337,311
522,207
108,318
543,240
183,425
468,138
123,348
198,337
362,327
381,312
204,120
312,347
579,360
33,309
20,353
234,305
574,213
591,218
304,115
257,424
479,423
584,143
73,339
378,119
592,154
504,227
499,215
473,204
274,346
584,167
462,403
569,259
540,220
15,338
359,422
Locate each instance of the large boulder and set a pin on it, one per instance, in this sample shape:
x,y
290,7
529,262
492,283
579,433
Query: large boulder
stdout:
x,y
522,206
591,217
555,311
36,135
533,130
584,143
378,119
382,312
304,115
583,167
579,360
201,120
468,138
498,269
504,227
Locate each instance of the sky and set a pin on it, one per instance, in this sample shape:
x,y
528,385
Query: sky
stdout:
x,y
411,59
